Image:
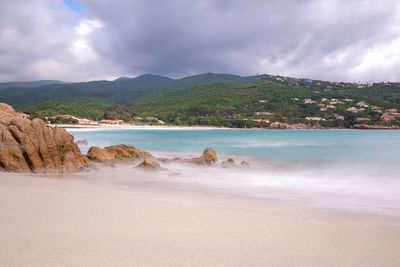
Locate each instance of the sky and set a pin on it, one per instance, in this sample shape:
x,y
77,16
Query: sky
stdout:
x,y
82,40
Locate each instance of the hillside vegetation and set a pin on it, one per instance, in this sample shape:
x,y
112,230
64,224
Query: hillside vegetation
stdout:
x,y
215,99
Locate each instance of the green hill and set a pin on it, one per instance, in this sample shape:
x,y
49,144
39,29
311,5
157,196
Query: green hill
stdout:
x,y
213,99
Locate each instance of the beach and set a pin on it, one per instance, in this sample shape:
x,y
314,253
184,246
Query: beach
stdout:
x,y
76,222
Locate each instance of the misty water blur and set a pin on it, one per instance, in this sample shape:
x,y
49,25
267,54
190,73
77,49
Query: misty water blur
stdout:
x,y
354,170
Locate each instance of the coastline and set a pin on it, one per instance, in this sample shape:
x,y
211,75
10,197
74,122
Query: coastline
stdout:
x,y
173,127
101,224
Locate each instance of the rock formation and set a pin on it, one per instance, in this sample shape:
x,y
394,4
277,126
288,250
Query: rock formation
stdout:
x,y
230,162
282,125
149,164
374,127
116,152
31,146
209,156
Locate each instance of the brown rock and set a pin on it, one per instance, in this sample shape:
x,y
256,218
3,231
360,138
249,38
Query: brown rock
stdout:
x,y
31,146
148,164
209,156
278,125
374,127
98,154
282,125
116,152
244,164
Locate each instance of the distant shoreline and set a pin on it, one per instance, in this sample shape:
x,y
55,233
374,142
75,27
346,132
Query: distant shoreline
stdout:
x,y
173,127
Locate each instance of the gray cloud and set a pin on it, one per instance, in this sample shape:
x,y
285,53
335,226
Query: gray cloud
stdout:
x,y
332,40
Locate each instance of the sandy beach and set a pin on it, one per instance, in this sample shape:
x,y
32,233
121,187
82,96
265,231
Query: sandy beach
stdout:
x,y
76,222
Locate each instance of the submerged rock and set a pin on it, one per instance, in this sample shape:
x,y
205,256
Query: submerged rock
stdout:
x,y
31,146
244,164
116,152
82,142
149,164
230,162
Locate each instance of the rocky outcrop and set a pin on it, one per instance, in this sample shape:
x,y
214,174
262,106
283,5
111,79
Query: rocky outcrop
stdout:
x,y
374,127
149,164
282,125
209,156
30,146
116,152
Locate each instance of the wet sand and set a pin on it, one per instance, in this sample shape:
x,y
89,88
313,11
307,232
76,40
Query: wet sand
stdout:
x,y
76,222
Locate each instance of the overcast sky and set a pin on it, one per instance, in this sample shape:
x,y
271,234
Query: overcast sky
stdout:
x,y
83,40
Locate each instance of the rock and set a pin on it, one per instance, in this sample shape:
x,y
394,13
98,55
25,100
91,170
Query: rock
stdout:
x,y
116,152
278,125
282,125
230,162
98,154
167,160
244,164
149,164
374,127
82,142
30,146
209,156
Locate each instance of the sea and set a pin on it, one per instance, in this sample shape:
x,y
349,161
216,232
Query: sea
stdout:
x,y
355,170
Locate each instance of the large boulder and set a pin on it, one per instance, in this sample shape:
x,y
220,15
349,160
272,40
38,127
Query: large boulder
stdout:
x,y
31,146
116,152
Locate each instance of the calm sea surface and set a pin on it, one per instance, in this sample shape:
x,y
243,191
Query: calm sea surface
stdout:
x,y
354,169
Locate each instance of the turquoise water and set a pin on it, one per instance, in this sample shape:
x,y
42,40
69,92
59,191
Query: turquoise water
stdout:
x,y
331,146
352,169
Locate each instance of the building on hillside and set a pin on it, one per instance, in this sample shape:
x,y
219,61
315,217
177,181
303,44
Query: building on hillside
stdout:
x,y
324,99
330,106
263,101
114,122
376,109
309,101
138,118
387,117
65,117
391,110
396,114
348,100
235,116
86,121
295,99
362,104
261,113
362,119
338,117
24,116
260,120
323,109
314,119
354,109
